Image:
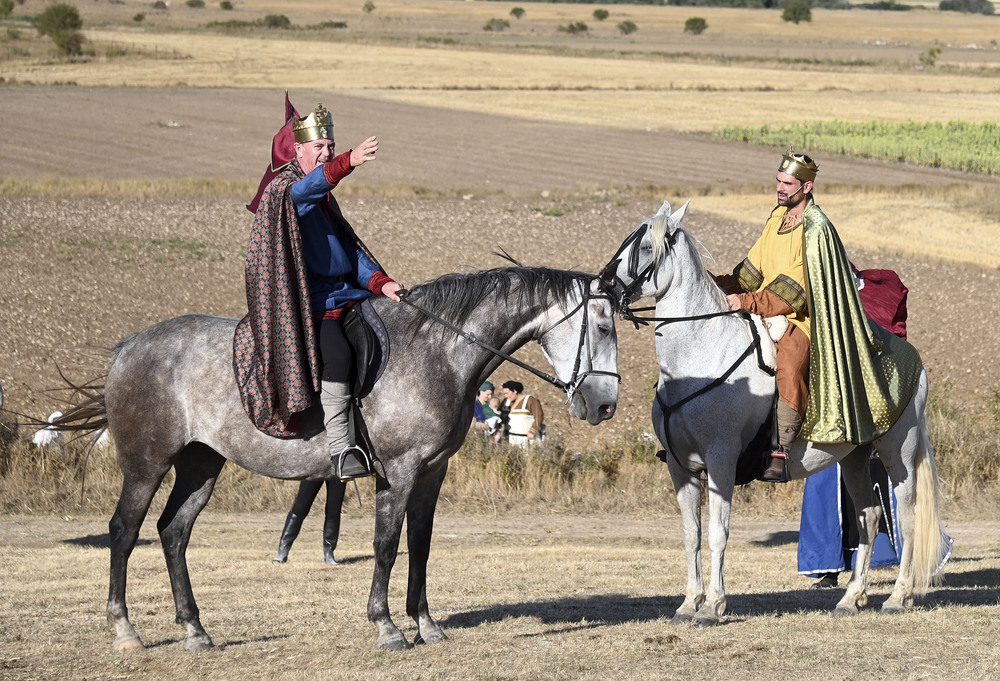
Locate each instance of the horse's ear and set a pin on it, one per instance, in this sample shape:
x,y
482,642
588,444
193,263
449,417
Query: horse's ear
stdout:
x,y
664,209
678,216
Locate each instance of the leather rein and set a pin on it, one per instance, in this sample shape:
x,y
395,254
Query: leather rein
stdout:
x,y
576,379
622,291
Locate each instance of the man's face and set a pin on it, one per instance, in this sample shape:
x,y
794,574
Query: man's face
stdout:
x,y
312,154
791,191
484,396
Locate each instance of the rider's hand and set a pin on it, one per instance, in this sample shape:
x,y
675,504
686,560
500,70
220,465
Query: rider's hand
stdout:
x,y
735,303
390,289
364,152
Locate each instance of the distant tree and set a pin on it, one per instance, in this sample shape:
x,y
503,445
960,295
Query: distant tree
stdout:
x,y
6,7
368,7
58,18
627,27
601,14
796,11
225,4
574,27
139,18
69,43
517,12
277,21
496,25
967,6
196,4
695,25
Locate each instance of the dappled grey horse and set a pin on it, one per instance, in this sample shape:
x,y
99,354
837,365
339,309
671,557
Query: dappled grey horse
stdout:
x,y
705,423
171,400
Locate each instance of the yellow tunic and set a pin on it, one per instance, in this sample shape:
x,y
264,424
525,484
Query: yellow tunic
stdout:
x,y
776,263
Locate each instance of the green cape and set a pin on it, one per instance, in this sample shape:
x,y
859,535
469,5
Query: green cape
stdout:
x,y
861,376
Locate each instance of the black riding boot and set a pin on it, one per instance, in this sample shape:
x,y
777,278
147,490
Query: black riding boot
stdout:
x,y
335,490
331,531
293,523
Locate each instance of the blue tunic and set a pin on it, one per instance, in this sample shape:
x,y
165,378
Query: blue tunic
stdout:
x,y
823,546
337,269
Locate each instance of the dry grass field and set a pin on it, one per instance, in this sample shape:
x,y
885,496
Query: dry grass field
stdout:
x,y
122,182
521,597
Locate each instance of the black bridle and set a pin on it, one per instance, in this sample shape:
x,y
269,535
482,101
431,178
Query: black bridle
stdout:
x,y
576,379
622,291
617,289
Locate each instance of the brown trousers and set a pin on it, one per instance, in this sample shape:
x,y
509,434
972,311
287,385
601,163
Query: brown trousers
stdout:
x,y
793,369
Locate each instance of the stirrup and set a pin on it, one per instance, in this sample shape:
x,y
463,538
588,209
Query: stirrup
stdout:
x,y
777,469
353,463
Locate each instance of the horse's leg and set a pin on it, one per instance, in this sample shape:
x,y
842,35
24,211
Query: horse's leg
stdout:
x,y
855,472
688,490
419,525
140,480
390,508
720,499
911,470
904,487
197,468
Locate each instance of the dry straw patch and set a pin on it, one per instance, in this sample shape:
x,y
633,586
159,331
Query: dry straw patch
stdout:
x,y
436,53
632,94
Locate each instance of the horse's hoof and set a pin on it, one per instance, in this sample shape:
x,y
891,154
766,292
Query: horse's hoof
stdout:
x,y
128,643
844,611
433,637
394,643
887,609
681,619
704,622
197,644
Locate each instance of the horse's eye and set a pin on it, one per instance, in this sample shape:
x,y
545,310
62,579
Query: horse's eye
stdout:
x,y
604,329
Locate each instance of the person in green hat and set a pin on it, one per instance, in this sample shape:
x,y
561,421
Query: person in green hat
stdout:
x,y
483,415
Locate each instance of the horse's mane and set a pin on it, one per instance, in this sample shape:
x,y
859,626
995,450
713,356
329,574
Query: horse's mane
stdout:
x,y
455,297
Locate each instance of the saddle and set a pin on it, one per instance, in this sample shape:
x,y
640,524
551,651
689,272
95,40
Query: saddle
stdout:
x,y
369,343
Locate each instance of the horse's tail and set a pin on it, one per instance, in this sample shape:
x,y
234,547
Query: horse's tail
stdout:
x,y
87,417
88,413
931,546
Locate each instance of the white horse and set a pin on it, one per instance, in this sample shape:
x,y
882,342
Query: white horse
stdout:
x,y
714,393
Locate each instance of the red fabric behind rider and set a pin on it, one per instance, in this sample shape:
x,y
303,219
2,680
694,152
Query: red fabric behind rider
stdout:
x,y
883,296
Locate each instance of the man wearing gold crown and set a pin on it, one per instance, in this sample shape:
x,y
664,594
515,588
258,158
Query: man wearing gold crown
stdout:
x,y
839,379
305,267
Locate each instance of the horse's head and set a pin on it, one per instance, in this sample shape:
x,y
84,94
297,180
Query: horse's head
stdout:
x,y
581,343
634,270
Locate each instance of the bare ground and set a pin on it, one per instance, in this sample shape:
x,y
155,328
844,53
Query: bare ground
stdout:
x,y
448,190
525,597
126,133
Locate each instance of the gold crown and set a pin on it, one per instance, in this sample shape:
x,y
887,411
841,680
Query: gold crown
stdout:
x,y
799,166
316,126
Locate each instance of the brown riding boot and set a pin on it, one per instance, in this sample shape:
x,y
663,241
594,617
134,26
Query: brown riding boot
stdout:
x,y
789,423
